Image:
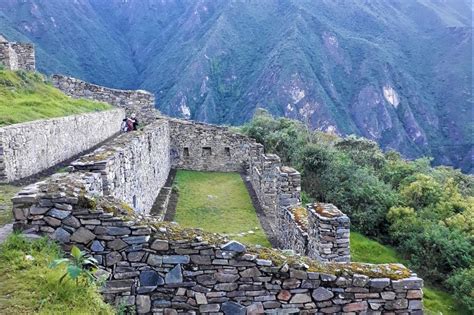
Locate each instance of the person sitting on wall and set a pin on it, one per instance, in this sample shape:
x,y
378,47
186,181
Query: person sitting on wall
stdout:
x,y
130,123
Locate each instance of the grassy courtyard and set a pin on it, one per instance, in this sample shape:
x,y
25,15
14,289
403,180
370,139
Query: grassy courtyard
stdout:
x,y
219,203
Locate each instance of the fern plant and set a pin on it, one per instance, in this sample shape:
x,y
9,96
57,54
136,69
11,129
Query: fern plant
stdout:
x,y
79,266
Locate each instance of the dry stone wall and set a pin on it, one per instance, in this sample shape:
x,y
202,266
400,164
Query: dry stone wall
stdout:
x,y
328,233
203,147
17,56
134,166
139,102
162,269
31,147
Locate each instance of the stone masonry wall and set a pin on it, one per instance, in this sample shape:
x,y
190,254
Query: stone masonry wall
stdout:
x,y
328,233
17,56
142,103
205,147
162,269
134,166
28,148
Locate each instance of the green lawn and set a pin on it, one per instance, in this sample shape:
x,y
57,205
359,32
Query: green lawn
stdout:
x,y
436,301
219,203
29,286
6,193
26,96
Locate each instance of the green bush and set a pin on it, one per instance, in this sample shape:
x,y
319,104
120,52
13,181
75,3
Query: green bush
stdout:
x,y
462,284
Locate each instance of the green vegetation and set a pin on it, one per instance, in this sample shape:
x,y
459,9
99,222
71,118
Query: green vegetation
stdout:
x,y
6,193
366,250
27,96
30,286
218,203
426,213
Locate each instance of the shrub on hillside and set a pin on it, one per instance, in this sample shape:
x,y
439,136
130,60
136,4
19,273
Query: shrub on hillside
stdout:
x,y
462,284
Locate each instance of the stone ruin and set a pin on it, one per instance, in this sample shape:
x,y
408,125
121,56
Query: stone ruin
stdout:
x,y
17,56
103,206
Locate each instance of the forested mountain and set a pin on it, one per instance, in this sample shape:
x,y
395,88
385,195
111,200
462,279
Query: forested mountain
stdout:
x,y
395,71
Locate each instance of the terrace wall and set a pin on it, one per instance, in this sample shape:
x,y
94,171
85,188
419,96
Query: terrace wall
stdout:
x,y
134,166
31,147
139,102
160,268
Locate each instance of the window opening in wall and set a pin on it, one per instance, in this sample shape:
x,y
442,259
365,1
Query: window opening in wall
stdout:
x,y
206,151
227,151
186,152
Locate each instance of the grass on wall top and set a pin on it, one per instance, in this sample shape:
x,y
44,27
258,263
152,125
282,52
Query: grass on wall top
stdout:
x,y
26,96
218,203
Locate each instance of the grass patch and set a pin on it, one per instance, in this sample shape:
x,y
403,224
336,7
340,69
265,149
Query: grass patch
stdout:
x,y
30,286
218,203
26,96
6,194
435,301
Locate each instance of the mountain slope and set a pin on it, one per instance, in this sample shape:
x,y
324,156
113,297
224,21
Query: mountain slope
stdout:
x,y
398,72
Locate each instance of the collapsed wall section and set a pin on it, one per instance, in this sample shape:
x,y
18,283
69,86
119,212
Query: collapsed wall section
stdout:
x,y
204,147
31,147
139,102
161,268
133,166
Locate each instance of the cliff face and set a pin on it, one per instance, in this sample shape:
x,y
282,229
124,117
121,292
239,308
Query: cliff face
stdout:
x,y
398,72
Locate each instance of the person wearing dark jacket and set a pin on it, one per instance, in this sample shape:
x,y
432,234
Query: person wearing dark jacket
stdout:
x,y
130,123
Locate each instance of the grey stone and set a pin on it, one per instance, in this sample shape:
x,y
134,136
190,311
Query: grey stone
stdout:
x,y
136,239
117,231
97,246
61,236
82,235
234,246
174,275
38,210
300,298
135,256
72,221
233,308
360,280
58,214
113,258
117,244
160,245
155,260
379,283
411,283
143,304
150,278
176,259
255,309
209,308
322,294
52,221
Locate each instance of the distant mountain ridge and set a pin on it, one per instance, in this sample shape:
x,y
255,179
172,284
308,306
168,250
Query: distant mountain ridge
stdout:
x,y
398,72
